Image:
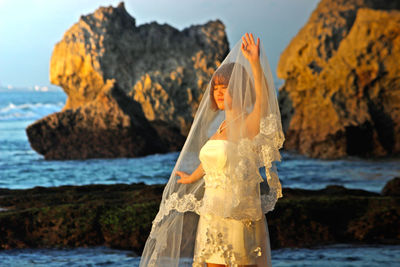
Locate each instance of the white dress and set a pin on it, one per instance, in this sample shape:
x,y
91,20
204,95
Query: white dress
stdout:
x,y
224,240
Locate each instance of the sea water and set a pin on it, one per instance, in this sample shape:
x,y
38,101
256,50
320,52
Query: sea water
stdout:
x,y
343,255
21,167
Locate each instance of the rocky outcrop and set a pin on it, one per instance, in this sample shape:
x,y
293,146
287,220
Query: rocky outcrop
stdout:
x,y
162,68
341,94
120,216
113,125
392,188
71,216
132,90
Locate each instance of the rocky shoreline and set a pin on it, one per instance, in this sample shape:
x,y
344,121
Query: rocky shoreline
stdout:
x,y
119,216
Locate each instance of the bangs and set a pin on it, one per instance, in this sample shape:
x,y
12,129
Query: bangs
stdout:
x,y
222,75
220,80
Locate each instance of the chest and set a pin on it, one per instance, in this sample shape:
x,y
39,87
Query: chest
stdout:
x,y
213,155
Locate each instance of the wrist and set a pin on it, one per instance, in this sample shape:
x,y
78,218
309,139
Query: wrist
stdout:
x,y
255,63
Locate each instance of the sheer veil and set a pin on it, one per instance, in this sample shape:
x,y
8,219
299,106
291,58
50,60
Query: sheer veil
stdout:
x,y
254,137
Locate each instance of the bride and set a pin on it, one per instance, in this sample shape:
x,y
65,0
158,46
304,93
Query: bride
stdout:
x,y
214,215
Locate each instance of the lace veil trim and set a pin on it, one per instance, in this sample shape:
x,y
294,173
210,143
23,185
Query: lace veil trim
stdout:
x,y
267,144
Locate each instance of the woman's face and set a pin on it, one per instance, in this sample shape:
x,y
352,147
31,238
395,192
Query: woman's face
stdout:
x,y
219,95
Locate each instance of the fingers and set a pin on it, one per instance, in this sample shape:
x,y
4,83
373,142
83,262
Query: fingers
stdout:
x,y
244,41
179,173
248,39
182,181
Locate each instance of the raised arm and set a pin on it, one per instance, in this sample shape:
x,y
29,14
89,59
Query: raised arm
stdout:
x,y
251,51
253,119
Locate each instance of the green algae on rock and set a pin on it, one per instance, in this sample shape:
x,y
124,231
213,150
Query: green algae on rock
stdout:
x,y
120,216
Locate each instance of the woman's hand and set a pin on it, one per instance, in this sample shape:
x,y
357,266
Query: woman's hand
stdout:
x,y
185,178
250,49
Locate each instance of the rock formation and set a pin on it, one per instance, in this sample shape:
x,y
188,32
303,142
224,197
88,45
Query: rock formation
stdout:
x,y
120,216
112,125
164,70
342,89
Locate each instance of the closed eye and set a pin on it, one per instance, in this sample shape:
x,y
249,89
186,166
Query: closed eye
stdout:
x,y
220,87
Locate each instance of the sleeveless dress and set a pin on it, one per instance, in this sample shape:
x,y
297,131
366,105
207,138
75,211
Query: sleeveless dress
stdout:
x,y
224,240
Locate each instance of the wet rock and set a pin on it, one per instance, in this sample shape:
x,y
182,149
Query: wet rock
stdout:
x,y
121,215
113,125
71,216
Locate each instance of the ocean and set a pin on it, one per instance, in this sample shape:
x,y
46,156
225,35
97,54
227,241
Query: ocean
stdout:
x,y
21,167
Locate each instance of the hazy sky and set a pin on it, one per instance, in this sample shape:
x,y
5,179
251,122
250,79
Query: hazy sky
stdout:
x,y
30,29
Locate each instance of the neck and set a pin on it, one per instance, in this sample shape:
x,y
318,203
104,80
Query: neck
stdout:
x,y
230,117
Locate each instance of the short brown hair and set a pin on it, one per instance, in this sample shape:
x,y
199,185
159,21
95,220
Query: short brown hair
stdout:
x,y
222,76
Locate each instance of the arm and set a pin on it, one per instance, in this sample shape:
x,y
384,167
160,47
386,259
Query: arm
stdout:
x,y
253,119
198,173
251,51
187,179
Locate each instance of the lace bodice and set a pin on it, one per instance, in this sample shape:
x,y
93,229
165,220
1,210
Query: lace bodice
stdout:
x,y
221,239
213,158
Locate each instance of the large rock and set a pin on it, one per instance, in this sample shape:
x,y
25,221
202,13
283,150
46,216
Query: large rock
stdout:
x,y
132,90
392,188
120,216
164,69
342,92
112,125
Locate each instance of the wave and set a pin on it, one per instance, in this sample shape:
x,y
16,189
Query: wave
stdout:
x,y
28,111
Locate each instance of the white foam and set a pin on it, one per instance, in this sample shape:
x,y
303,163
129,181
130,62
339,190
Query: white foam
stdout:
x,y
29,110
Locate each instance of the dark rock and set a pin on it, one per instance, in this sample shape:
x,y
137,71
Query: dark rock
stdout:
x,y
117,215
121,215
111,126
392,188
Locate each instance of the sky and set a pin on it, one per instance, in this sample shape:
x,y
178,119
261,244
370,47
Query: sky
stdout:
x,y
30,29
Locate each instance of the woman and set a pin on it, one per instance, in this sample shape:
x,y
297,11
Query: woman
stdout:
x,y
220,220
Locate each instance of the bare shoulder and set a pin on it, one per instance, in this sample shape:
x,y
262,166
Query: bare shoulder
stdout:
x,y
214,136
217,135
